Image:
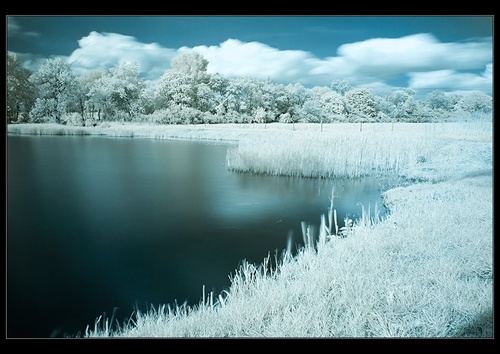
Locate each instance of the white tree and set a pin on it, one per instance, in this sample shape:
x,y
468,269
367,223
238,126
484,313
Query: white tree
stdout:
x,y
310,112
260,115
333,106
438,100
476,101
56,87
340,86
192,65
285,118
126,88
147,97
118,94
218,84
298,95
239,96
282,99
20,91
98,103
187,84
361,104
400,104
174,88
438,104
84,104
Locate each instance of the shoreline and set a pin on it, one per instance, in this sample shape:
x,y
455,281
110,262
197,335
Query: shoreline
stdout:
x,y
449,144
430,220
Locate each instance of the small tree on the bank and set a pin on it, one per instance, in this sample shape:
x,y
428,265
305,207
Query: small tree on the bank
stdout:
x,y
361,105
476,101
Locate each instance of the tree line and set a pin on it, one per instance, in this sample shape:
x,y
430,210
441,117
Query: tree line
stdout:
x,y
187,94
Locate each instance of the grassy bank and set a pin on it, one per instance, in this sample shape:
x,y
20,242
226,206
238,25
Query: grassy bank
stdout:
x,y
223,132
424,271
421,273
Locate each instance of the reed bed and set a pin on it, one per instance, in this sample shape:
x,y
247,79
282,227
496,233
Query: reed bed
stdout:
x,y
329,155
132,130
46,129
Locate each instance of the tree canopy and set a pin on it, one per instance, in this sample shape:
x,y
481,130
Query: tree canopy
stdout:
x,y
187,94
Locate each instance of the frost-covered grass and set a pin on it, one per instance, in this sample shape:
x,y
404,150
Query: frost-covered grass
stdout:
x,y
424,271
415,151
226,132
329,154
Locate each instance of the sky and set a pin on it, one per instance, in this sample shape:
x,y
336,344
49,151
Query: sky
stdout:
x,y
425,53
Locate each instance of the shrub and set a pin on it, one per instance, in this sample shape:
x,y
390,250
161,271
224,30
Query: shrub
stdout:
x,y
73,118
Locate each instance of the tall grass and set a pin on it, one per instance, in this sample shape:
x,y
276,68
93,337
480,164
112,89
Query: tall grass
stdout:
x,y
415,151
47,129
131,130
328,155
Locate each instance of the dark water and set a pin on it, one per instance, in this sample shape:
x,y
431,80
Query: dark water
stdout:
x,y
101,225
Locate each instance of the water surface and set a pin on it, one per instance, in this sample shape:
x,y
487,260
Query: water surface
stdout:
x,y
100,225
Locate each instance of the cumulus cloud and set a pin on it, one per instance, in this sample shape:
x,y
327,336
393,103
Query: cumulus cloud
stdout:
x,y
103,50
367,63
452,80
421,59
419,52
382,58
235,58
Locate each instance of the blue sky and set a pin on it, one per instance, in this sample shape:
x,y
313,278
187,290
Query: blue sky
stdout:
x,y
425,53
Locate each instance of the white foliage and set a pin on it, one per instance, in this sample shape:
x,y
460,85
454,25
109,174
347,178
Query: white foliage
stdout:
x,y
57,88
120,94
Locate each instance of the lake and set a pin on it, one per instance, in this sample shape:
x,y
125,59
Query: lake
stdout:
x,y
99,225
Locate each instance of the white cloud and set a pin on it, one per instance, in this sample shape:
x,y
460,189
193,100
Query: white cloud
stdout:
x,y
14,29
451,80
367,63
488,72
104,50
423,60
382,58
419,52
235,58
12,25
